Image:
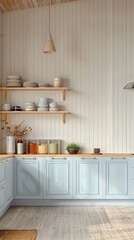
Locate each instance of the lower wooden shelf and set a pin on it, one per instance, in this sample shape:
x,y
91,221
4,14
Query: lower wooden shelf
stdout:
x,y
61,113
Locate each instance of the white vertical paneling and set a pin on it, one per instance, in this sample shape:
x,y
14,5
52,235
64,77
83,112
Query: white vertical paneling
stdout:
x,y
94,43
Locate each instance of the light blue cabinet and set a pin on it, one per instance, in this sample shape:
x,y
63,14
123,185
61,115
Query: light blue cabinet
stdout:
x,y
2,185
27,182
58,178
116,178
9,179
87,178
6,184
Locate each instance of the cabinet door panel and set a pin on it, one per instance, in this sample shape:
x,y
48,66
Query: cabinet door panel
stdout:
x,y
9,176
2,195
27,178
87,178
58,178
117,178
2,171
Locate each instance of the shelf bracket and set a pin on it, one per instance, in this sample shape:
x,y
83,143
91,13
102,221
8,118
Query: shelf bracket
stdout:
x,y
63,118
63,95
4,119
5,95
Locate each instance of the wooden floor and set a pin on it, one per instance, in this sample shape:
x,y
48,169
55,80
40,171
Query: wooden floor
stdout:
x,y
73,223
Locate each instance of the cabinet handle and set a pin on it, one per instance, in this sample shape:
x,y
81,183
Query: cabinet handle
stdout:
x,y
89,158
58,158
118,158
1,162
31,158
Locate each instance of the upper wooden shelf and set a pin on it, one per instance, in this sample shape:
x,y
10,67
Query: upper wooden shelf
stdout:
x,y
62,113
58,89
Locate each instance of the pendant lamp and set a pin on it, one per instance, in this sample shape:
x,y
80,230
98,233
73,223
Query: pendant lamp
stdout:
x,y
49,44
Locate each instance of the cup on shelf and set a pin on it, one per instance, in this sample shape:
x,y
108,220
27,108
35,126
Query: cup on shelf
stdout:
x,y
57,82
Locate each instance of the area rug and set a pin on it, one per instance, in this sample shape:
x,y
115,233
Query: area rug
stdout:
x,y
17,234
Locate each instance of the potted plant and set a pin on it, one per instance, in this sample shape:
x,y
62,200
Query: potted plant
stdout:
x,y
73,148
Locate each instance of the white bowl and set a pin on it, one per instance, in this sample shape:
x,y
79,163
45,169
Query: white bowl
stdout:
x,y
53,105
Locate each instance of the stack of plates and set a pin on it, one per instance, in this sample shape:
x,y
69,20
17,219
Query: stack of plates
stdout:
x,y
6,107
43,104
14,81
53,106
30,84
30,106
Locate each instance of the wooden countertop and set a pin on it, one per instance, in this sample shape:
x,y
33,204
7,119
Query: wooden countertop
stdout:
x,y
82,155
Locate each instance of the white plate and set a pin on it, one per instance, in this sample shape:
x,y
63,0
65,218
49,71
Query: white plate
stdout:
x,y
14,77
14,81
14,85
30,84
53,109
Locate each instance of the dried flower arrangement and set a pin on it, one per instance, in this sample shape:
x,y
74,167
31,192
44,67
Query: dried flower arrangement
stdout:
x,y
17,131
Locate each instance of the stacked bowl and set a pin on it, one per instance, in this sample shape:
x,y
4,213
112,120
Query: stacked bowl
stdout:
x,y
43,104
6,107
53,106
14,81
30,106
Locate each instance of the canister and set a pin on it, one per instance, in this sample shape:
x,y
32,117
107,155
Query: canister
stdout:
x,y
53,147
32,147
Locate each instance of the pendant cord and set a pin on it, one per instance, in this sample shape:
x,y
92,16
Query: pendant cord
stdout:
x,y
49,14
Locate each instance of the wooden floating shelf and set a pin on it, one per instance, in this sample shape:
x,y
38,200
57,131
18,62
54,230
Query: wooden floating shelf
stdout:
x,y
62,113
58,89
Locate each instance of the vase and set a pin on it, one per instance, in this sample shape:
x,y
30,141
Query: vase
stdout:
x,y
20,147
10,144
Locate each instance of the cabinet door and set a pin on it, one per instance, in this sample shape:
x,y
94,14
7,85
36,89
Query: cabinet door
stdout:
x,y
28,178
2,171
9,179
87,182
58,179
2,197
116,179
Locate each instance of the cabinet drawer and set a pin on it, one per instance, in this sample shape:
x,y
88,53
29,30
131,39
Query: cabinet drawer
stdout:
x,y
2,171
2,195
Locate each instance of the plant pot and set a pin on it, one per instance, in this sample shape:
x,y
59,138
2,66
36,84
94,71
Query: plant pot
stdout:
x,y
72,150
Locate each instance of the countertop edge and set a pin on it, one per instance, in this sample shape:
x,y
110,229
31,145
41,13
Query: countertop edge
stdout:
x,y
82,155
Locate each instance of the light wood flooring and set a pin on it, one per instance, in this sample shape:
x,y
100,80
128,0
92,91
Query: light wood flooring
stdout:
x,y
73,223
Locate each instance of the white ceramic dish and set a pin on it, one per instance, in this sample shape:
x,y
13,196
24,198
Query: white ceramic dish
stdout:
x,y
14,81
42,109
13,77
53,105
53,109
43,84
30,84
14,85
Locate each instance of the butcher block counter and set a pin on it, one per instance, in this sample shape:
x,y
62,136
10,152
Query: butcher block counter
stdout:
x,y
82,155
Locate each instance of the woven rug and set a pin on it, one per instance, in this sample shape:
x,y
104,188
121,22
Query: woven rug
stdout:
x,y
17,234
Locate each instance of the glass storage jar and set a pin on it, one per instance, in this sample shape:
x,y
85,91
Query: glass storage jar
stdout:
x,y
32,146
42,147
53,147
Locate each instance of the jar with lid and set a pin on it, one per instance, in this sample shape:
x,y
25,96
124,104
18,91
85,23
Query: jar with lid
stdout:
x,y
32,146
43,147
53,147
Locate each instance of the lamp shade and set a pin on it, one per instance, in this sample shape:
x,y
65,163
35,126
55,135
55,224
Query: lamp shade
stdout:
x,y
49,44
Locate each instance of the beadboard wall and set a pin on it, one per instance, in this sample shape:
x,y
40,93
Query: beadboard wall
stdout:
x,y
95,56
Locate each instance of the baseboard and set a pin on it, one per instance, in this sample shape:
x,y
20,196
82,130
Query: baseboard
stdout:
x,y
52,202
